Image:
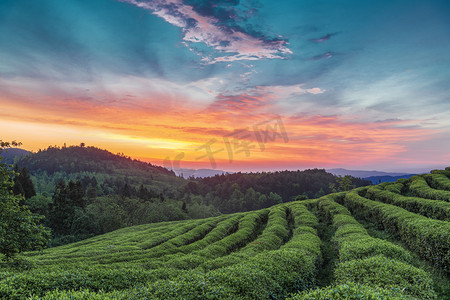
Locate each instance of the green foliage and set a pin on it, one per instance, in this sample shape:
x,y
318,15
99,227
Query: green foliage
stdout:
x,y
429,208
250,191
38,282
263,254
352,239
419,187
345,183
23,184
429,238
301,197
439,179
19,228
379,271
351,291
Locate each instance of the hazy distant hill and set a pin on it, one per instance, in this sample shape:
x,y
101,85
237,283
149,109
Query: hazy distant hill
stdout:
x,y
375,177
186,173
381,179
362,173
9,155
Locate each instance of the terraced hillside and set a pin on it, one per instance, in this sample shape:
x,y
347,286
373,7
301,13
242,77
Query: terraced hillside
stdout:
x,y
390,241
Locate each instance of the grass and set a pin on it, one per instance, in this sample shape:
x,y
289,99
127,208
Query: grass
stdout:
x,y
340,245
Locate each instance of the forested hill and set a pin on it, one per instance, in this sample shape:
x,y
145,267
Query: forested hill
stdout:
x,y
109,173
85,159
116,174
249,191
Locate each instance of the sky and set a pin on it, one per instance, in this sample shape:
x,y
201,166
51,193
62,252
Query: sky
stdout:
x,y
250,85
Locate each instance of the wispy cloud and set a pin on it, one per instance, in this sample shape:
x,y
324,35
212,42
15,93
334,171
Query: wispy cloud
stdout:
x,y
230,42
255,99
324,38
325,55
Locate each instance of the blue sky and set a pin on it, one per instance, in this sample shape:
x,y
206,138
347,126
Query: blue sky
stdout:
x,y
382,65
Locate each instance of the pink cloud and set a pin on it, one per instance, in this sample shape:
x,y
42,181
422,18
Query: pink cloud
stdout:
x,y
257,98
233,44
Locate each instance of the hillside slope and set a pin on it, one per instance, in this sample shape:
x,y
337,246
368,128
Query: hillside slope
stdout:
x,y
12,155
111,171
389,241
116,174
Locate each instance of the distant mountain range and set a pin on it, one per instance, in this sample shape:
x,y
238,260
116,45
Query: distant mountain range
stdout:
x,y
375,177
361,173
11,155
200,173
381,179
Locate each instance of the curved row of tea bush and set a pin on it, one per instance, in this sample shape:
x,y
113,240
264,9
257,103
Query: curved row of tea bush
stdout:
x,y
268,274
350,291
439,180
102,249
170,246
39,281
419,187
351,238
305,235
370,261
429,208
272,237
275,234
248,229
429,238
165,245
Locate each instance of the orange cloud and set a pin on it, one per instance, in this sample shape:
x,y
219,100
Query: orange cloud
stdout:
x,y
159,123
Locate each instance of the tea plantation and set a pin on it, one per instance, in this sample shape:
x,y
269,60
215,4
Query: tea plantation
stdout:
x,y
390,241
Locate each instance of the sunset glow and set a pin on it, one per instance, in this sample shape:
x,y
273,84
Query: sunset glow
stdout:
x,y
160,80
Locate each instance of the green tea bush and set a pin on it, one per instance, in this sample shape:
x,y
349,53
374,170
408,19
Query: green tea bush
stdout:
x,y
248,228
429,238
351,238
304,235
368,246
379,271
396,187
38,282
352,291
275,233
420,188
269,275
172,234
438,180
429,208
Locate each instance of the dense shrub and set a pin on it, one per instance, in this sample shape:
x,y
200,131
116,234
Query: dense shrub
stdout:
x,y
429,238
438,179
429,208
351,291
351,238
38,282
420,188
379,271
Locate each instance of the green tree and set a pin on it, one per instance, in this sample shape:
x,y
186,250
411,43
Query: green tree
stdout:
x,y
274,199
250,199
345,183
19,228
61,210
236,199
301,197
